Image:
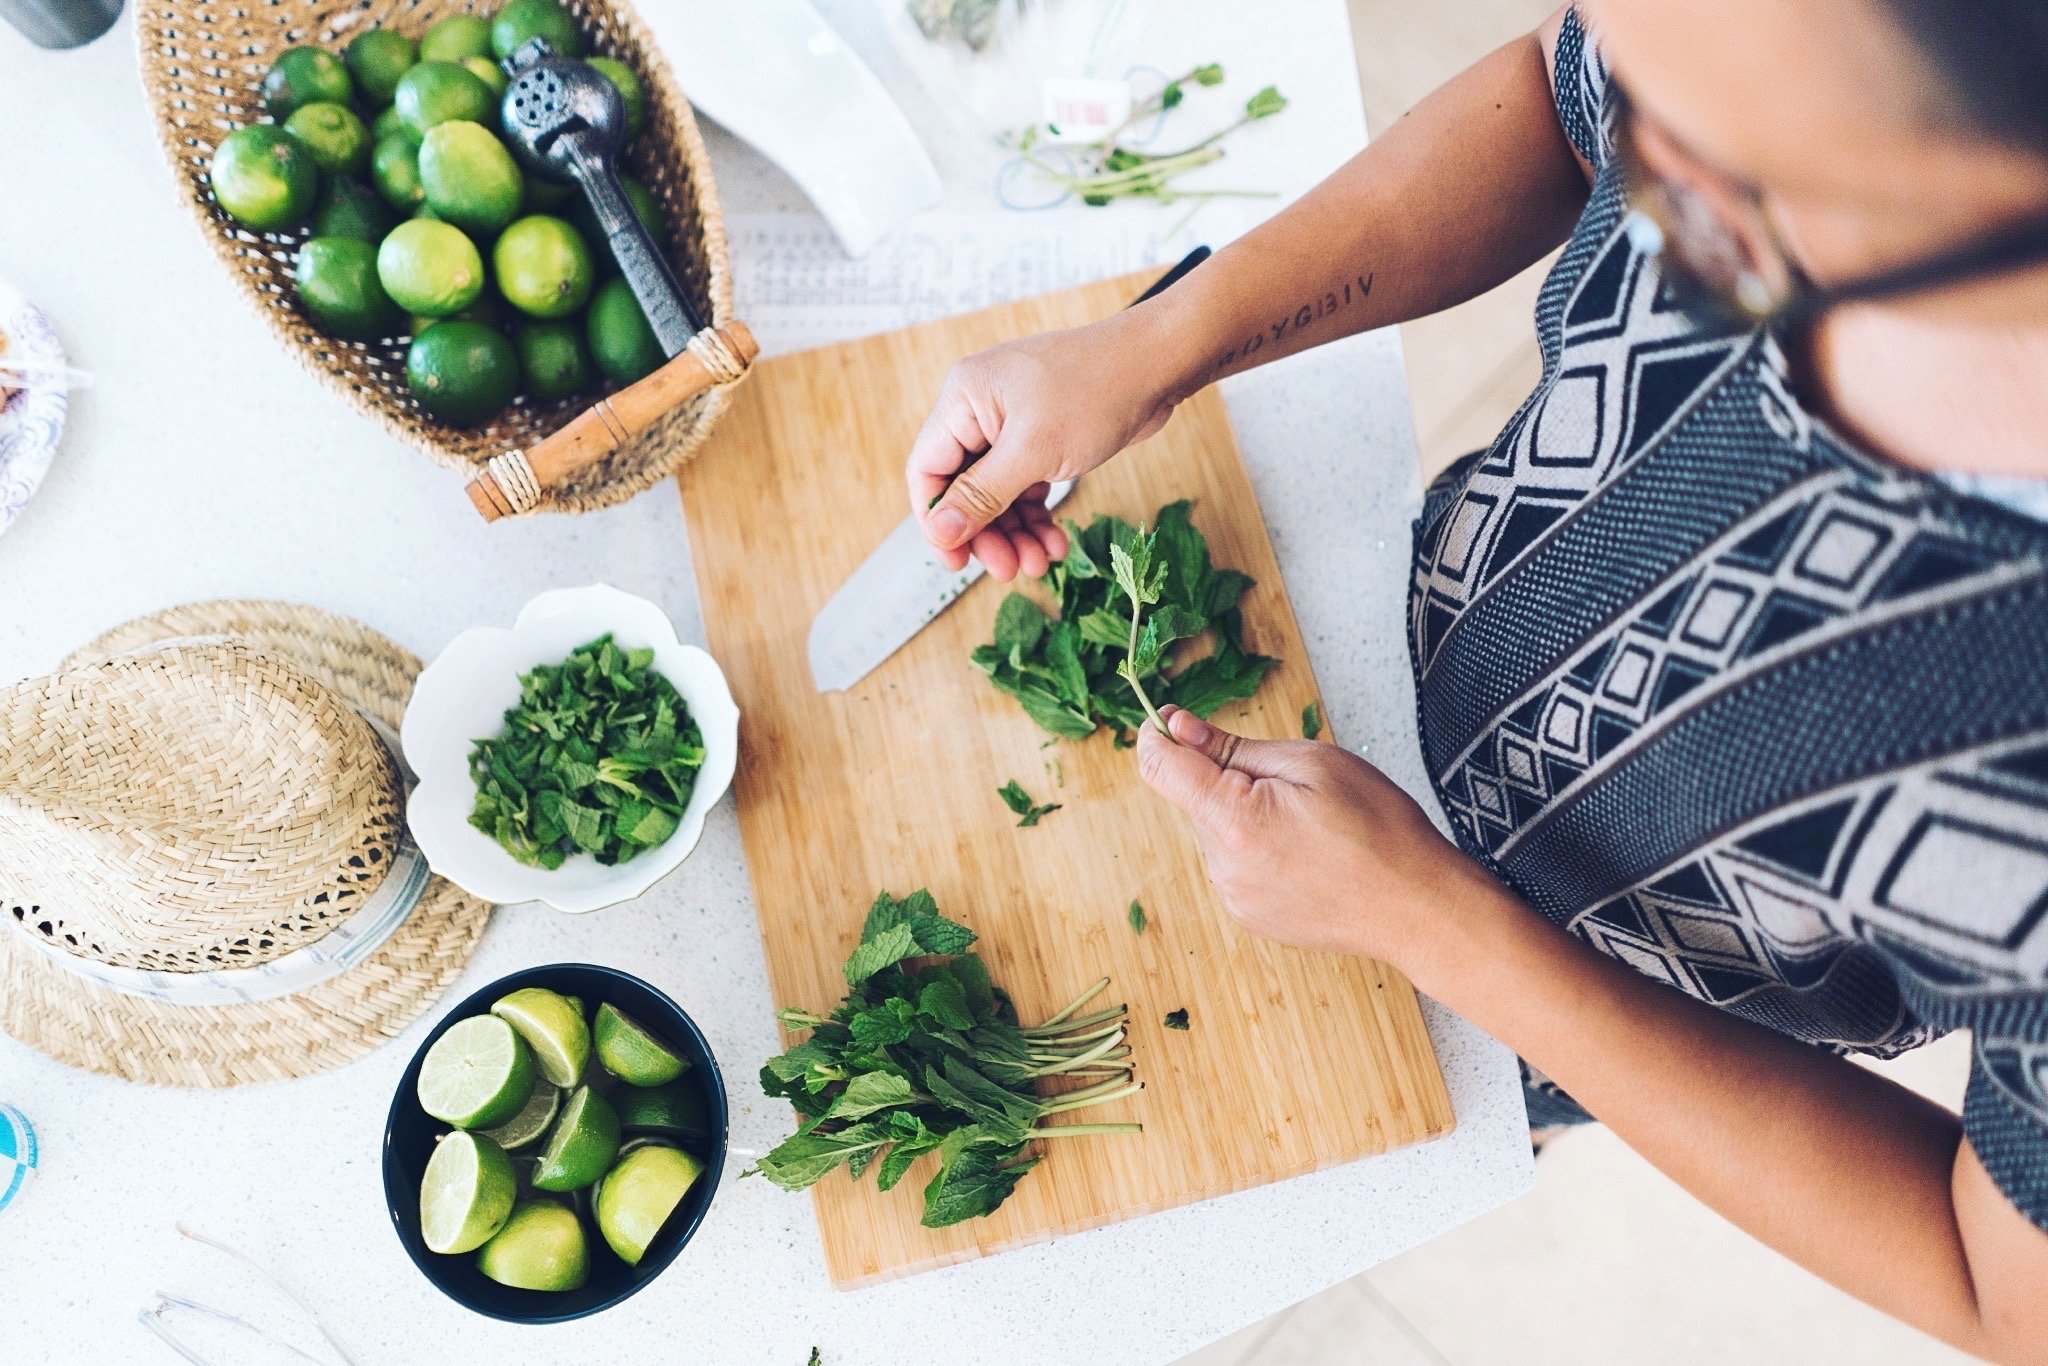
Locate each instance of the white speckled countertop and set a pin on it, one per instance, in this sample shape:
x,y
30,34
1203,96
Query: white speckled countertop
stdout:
x,y
205,463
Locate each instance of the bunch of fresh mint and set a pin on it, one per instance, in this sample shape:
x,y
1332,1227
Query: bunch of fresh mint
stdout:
x,y
925,1055
1103,660
600,755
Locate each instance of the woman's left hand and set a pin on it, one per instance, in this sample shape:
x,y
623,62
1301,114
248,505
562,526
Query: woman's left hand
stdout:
x,y
1310,844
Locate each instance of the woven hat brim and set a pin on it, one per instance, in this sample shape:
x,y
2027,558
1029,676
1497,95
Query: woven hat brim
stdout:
x,y
101,1030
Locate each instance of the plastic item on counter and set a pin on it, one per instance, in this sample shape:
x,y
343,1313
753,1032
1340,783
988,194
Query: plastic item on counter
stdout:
x,y
17,1156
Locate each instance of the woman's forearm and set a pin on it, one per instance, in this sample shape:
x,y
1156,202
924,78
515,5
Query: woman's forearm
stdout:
x,y
1861,1181
1470,187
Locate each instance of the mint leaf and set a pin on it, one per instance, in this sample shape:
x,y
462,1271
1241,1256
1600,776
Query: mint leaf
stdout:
x,y
1176,1019
866,1094
1136,915
1019,801
1311,721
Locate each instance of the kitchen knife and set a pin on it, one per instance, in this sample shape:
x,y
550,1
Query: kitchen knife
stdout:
x,y
901,586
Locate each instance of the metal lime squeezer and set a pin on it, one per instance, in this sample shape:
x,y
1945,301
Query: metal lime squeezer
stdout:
x,y
566,123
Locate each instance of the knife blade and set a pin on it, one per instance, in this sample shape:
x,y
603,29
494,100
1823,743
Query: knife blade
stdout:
x,y
901,586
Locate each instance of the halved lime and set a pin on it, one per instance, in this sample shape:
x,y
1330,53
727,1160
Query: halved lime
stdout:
x,y
552,1027
676,1108
466,1194
632,1054
541,1247
583,1144
532,1120
638,1195
477,1075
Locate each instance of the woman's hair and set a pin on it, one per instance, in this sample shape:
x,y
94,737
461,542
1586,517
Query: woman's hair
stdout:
x,y
1992,60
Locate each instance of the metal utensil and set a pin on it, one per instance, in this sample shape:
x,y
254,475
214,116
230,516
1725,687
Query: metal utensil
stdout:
x,y
901,586
566,122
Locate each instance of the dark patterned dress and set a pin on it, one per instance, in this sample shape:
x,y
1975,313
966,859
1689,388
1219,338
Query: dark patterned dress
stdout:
x,y
1758,714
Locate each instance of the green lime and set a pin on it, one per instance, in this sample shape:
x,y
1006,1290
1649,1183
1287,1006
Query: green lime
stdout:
x,y
303,75
552,359
583,1144
632,1054
576,1001
489,72
388,123
541,1247
338,287
263,177
524,19
469,177
395,168
349,208
456,37
542,267
675,1108
430,267
437,92
466,1194
639,1194
332,135
624,348
630,91
644,208
532,1120
463,373
552,1028
375,60
476,1075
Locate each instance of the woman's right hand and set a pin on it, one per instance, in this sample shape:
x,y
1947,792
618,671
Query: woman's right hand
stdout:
x,y
1014,418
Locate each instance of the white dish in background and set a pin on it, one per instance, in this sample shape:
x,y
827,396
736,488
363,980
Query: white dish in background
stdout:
x,y
778,76
32,416
462,697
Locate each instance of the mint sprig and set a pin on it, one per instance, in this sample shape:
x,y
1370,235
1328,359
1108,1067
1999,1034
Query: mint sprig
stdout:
x,y
1088,667
926,1056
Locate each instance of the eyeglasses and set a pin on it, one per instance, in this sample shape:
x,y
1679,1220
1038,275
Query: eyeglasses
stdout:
x,y
1721,251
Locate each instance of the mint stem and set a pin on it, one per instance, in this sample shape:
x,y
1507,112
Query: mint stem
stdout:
x,y
1082,1130
1083,999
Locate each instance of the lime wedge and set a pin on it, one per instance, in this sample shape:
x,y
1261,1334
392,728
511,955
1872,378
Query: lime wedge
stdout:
x,y
638,1195
576,1001
674,1108
466,1194
552,1027
477,1075
541,1247
631,1054
583,1144
532,1121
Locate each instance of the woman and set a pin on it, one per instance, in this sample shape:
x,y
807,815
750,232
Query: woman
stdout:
x,y
1732,650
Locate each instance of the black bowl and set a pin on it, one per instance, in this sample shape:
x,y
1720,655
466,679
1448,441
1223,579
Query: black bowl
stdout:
x,y
409,1135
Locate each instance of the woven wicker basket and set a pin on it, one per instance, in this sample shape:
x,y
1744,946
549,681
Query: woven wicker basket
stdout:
x,y
202,63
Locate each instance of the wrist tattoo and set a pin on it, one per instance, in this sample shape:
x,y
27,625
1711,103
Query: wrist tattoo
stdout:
x,y
1355,291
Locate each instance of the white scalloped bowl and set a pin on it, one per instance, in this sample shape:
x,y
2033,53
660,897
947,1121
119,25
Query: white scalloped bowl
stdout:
x,y
463,696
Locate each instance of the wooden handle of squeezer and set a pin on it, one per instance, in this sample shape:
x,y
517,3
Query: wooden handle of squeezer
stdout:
x,y
499,491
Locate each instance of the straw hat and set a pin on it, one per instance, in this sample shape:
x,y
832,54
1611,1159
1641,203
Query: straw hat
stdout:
x,y
205,878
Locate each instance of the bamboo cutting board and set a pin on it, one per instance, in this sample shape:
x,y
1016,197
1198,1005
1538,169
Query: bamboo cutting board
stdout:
x,y
1294,1061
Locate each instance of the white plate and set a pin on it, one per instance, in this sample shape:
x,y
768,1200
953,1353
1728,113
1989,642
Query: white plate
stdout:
x,y
32,418
462,697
